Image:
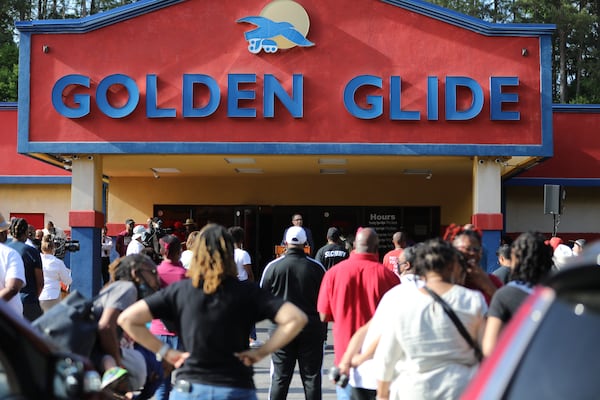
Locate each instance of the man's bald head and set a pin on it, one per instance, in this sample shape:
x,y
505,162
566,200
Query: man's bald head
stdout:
x,y
399,239
366,241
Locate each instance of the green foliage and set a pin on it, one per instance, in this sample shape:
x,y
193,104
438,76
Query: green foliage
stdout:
x,y
576,42
9,71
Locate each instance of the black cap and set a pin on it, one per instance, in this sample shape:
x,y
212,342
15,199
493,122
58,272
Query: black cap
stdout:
x,y
129,221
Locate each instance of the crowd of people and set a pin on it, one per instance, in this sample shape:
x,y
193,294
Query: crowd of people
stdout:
x,y
178,312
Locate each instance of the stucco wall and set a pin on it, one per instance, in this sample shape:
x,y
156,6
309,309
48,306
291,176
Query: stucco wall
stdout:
x,y
525,210
52,200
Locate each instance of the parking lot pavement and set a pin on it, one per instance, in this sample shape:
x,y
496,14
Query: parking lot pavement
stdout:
x,y
296,392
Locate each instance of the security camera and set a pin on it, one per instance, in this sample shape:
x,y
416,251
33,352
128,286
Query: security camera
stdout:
x,y
75,157
90,157
498,161
481,162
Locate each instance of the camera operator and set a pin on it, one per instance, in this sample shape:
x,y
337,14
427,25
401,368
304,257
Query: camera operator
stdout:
x,y
155,232
54,231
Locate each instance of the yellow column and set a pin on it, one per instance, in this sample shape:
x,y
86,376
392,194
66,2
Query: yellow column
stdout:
x,y
86,220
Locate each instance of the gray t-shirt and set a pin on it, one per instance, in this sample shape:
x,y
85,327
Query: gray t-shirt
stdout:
x,y
503,273
118,295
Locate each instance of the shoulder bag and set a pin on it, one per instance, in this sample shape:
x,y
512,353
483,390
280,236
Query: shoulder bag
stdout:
x,y
71,324
461,328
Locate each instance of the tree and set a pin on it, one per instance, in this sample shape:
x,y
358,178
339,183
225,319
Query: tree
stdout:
x,y
9,53
576,46
9,72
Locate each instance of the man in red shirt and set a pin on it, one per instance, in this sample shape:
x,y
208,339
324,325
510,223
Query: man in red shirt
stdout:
x,y
351,290
390,260
124,238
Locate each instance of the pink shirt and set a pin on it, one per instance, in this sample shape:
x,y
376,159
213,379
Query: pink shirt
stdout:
x,y
168,272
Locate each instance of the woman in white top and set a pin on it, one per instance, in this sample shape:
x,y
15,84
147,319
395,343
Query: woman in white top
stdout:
x,y
55,272
421,349
186,256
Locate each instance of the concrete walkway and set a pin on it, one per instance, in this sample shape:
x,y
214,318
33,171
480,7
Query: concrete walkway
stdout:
x,y
296,392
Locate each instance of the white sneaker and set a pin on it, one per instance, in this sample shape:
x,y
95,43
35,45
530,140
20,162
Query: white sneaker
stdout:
x,y
254,344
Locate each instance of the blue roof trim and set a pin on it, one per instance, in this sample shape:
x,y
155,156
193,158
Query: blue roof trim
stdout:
x,y
582,182
285,148
547,124
8,106
24,82
576,108
34,180
472,23
96,21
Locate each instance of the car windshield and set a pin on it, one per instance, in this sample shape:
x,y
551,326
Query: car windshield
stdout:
x,y
563,358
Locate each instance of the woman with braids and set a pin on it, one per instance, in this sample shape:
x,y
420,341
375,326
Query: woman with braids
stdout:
x,y
531,261
131,278
420,348
32,261
213,313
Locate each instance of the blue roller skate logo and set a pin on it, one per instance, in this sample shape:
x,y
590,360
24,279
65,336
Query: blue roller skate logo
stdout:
x,y
272,35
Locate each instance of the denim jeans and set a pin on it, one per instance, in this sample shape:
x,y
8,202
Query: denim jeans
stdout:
x,y
199,391
343,393
163,390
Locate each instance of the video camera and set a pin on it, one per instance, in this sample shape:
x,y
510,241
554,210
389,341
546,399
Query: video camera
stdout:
x,y
155,232
62,245
156,227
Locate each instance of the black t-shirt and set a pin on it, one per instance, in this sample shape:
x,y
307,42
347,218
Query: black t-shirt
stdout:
x,y
506,301
213,327
331,254
31,261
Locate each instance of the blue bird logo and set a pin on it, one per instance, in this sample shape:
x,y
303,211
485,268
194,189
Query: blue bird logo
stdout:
x,y
270,35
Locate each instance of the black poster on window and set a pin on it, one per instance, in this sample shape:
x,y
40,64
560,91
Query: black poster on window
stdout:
x,y
386,222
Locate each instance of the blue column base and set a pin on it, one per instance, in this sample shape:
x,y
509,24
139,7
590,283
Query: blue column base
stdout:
x,y
86,269
490,242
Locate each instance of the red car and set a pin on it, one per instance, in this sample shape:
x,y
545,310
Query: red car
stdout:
x,y
32,367
551,347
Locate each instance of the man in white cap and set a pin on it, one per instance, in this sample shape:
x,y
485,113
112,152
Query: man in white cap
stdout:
x,y
578,246
295,277
12,271
136,246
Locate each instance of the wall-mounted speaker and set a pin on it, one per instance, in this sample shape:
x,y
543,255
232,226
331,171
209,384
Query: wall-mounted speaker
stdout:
x,y
553,199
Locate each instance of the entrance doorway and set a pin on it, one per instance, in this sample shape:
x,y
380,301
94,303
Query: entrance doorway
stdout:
x,y
264,225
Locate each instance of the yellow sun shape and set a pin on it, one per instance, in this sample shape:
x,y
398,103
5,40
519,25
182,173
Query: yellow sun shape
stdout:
x,y
287,11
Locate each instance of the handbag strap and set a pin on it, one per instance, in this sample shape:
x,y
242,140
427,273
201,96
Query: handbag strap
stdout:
x,y
461,328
